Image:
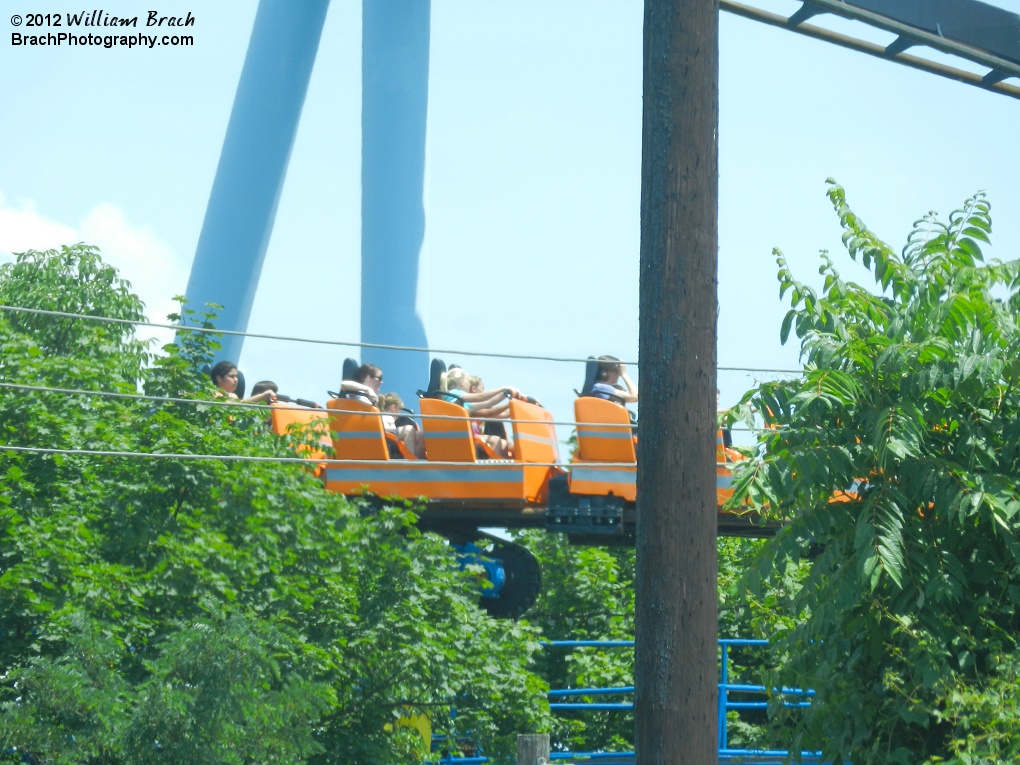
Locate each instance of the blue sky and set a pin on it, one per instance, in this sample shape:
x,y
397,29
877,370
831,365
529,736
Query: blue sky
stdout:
x,y
532,175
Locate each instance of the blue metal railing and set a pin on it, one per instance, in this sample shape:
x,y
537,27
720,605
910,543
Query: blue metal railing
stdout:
x,y
726,754
726,687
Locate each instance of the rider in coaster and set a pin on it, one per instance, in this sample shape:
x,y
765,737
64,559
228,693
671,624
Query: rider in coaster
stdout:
x,y
224,377
481,403
392,407
612,372
365,385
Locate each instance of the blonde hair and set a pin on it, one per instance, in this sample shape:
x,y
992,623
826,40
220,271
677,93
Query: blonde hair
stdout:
x,y
474,384
455,379
390,399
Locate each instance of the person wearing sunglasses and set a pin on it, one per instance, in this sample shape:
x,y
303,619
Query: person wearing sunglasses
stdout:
x,y
365,386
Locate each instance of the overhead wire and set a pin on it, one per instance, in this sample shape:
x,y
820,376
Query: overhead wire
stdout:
x,y
265,407
232,403
347,343
286,406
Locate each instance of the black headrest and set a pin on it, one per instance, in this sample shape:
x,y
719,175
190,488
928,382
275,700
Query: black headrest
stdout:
x,y
436,371
350,367
591,375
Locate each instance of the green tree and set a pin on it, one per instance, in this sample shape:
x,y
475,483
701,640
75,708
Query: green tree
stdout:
x,y
175,610
895,458
74,280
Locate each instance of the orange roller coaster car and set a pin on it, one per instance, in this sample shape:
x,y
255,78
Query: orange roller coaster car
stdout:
x,y
461,492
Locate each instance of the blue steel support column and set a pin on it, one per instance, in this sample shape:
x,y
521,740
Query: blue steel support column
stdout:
x,y
394,93
253,162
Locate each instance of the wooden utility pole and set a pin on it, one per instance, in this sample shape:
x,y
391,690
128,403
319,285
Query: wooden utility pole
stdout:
x,y
532,749
675,665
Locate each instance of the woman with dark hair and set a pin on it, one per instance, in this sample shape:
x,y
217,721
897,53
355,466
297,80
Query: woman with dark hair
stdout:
x,y
224,377
365,386
612,372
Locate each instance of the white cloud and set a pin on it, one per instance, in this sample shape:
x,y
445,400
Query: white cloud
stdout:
x,y
150,264
155,270
24,229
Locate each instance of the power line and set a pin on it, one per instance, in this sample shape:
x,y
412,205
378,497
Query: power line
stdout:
x,y
764,370
344,343
267,408
135,396
288,338
325,411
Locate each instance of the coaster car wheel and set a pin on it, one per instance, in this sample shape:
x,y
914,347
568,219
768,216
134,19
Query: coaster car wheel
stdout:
x,y
522,583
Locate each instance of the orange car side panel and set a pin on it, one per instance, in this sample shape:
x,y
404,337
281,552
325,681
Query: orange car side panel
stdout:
x,y
603,481
408,479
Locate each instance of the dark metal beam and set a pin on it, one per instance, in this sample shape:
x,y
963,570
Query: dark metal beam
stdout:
x,y
943,32
991,81
980,26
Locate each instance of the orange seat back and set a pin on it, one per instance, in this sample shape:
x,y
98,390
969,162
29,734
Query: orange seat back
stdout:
x,y
534,435
357,430
447,440
286,419
599,435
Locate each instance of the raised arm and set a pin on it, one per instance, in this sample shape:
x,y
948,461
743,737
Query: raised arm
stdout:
x,y
488,397
629,395
500,408
349,386
265,397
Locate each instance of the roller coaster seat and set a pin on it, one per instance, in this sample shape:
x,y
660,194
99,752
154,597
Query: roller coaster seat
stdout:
x,y
603,436
535,442
287,419
534,434
357,430
447,440
603,431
